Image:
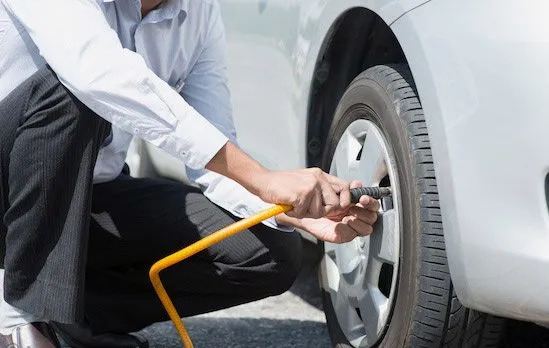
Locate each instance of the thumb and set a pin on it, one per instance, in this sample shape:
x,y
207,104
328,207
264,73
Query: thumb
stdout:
x,y
355,184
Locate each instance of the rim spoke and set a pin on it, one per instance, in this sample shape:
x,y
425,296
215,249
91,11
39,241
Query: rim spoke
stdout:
x,y
353,272
330,248
384,240
347,257
359,276
356,283
364,246
373,271
331,275
345,162
373,308
348,317
372,167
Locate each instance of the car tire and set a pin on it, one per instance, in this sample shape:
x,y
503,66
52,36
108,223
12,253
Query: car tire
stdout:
x,y
426,311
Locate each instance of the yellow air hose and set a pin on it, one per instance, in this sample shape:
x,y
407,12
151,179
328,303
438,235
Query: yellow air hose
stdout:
x,y
197,247
216,237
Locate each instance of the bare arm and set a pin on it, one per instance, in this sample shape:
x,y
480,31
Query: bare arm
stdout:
x,y
311,192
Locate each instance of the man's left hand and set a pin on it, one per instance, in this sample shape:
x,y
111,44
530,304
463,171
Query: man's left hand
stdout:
x,y
344,226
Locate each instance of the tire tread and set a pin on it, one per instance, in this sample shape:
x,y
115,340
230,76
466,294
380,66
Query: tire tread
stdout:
x,y
440,320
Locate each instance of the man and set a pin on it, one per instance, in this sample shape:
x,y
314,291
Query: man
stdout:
x,y
79,233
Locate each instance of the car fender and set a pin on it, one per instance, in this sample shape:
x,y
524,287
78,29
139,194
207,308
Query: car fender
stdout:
x,y
481,75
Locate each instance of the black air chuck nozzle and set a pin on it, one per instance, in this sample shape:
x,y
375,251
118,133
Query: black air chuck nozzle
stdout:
x,y
374,192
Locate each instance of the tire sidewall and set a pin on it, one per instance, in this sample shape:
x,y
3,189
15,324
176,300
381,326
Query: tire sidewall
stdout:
x,y
367,99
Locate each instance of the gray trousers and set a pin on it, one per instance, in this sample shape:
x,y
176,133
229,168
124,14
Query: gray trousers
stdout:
x,y
63,265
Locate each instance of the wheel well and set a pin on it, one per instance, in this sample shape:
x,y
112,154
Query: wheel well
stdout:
x,y
359,39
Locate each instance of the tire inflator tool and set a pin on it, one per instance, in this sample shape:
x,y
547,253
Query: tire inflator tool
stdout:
x,y
216,237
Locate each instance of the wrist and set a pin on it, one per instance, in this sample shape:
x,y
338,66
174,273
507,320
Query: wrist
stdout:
x,y
255,179
285,220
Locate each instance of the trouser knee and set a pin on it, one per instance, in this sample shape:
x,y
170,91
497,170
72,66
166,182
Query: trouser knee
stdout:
x,y
285,267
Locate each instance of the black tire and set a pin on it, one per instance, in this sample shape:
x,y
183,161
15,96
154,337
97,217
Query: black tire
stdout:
x,y
426,311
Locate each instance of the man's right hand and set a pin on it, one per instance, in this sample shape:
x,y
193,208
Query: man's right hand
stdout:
x,y
311,192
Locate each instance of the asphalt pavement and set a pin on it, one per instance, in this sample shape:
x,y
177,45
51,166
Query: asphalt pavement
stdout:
x,y
293,319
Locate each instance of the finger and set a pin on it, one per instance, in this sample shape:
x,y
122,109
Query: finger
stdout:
x,y
316,207
296,211
339,215
360,227
369,203
330,197
344,233
370,217
342,188
355,184
363,214
365,200
301,205
345,197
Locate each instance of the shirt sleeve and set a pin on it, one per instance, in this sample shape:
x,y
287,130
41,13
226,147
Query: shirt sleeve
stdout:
x,y
206,89
75,39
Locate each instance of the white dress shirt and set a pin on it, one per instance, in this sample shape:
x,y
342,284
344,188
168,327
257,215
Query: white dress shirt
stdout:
x,y
161,78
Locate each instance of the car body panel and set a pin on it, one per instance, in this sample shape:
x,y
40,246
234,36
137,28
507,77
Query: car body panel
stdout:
x,y
272,51
482,75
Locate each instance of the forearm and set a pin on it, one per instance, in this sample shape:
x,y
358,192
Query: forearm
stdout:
x,y
235,164
311,192
122,89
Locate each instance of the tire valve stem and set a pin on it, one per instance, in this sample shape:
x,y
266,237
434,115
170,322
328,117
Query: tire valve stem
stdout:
x,y
374,192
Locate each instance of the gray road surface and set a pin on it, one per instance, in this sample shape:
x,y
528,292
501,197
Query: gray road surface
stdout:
x,y
293,319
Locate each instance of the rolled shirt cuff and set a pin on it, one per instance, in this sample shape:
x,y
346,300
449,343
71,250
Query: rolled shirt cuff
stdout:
x,y
197,145
234,198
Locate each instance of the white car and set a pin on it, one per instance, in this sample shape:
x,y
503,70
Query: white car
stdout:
x,y
445,101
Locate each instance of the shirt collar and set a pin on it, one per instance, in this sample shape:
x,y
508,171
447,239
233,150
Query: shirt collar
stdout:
x,y
169,9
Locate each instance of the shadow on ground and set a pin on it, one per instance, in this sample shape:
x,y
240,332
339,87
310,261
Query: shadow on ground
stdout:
x,y
243,332
294,319
306,285
241,327
525,335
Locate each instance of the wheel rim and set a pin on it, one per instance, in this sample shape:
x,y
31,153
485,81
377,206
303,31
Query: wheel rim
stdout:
x,y
361,275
